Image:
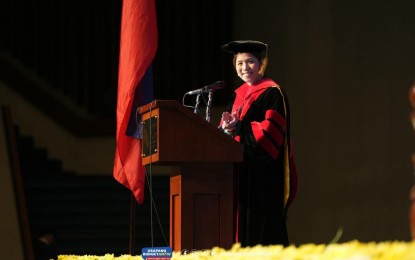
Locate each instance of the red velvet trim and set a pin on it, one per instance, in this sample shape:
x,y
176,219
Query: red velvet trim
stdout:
x,y
274,131
277,118
263,141
244,101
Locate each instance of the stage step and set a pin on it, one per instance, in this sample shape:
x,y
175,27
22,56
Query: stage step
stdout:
x,y
88,214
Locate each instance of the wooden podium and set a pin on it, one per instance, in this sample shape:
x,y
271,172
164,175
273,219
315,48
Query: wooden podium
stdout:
x,y
201,183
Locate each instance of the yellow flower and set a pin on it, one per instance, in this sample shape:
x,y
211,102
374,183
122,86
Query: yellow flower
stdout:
x,y
353,250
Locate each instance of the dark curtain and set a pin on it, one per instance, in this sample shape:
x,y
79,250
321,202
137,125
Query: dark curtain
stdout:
x,y
189,56
72,46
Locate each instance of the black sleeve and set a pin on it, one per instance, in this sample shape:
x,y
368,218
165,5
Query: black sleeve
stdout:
x,y
271,99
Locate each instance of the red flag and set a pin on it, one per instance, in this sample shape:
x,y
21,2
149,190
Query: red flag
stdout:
x,y
138,46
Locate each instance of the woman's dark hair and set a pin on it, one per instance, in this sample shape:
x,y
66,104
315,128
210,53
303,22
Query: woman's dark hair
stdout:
x,y
256,54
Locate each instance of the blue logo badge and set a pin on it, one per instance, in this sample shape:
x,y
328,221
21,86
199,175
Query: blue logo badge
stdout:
x,y
156,253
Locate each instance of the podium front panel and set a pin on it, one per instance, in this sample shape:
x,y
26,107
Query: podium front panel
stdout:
x,y
202,207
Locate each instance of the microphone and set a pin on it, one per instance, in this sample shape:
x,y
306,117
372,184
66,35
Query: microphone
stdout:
x,y
209,88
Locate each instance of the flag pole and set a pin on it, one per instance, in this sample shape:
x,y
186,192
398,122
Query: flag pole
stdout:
x,y
132,223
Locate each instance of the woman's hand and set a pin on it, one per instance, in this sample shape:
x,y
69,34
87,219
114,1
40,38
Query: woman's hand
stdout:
x,y
229,121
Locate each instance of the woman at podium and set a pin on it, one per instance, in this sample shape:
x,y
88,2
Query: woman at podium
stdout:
x,y
259,118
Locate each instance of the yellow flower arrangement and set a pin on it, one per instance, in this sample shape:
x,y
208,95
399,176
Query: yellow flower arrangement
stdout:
x,y
353,250
94,257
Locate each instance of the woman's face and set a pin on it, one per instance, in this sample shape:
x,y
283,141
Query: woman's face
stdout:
x,y
247,67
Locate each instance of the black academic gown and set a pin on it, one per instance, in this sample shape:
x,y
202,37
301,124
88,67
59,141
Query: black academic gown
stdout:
x,y
264,125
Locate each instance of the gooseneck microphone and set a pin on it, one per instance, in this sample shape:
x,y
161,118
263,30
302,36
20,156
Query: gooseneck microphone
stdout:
x,y
206,89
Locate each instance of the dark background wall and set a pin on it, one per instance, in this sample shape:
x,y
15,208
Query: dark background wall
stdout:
x,y
347,68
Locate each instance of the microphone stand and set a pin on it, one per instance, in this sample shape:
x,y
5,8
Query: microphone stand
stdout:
x,y
196,110
209,106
